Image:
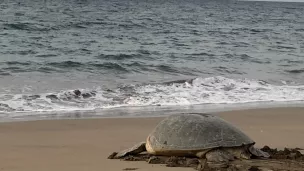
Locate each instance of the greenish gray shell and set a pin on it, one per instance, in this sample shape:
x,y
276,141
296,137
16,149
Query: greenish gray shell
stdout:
x,y
196,132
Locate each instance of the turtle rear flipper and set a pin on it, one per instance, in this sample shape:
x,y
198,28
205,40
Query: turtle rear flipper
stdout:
x,y
258,153
136,149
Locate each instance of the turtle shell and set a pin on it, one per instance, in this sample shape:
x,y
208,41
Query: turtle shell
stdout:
x,y
195,132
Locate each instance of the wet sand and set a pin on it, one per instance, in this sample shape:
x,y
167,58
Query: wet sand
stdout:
x,y
84,144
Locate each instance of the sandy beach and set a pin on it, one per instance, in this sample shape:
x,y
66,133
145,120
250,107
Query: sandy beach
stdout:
x,y
84,144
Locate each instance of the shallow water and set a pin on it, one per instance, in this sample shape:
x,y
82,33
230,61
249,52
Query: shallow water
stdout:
x,y
148,53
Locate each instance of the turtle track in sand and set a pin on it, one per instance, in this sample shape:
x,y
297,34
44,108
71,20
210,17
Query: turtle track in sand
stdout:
x,y
280,160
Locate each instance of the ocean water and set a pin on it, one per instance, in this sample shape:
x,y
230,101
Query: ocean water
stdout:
x,y
61,57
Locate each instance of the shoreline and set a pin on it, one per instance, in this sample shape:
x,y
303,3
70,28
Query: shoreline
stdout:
x,y
85,144
142,111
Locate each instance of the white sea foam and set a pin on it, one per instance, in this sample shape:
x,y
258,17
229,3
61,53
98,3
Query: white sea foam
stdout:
x,y
212,90
215,90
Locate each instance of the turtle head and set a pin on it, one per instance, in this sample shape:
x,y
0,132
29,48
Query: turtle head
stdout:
x,y
149,143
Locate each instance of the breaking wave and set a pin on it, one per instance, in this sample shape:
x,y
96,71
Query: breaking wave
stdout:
x,y
211,90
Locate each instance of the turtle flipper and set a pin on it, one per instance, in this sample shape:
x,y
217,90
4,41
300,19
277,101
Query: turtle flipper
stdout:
x,y
218,158
257,152
136,149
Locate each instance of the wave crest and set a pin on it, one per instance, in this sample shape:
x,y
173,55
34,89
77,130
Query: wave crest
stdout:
x,y
214,90
211,90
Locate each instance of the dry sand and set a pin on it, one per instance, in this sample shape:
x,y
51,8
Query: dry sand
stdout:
x,y
78,145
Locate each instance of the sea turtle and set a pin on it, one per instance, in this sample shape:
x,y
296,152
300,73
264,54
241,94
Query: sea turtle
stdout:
x,y
199,135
